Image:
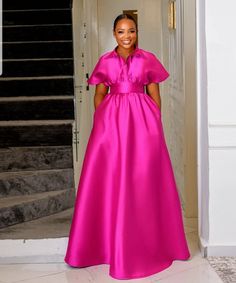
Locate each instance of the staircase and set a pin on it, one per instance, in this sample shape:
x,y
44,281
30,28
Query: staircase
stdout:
x,y
36,111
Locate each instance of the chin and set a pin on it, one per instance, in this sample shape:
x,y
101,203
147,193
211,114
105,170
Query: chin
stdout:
x,y
128,46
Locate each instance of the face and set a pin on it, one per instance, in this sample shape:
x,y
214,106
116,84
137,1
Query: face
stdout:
x,y
125,33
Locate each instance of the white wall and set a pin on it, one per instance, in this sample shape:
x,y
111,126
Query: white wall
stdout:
x,y
149,23
221,61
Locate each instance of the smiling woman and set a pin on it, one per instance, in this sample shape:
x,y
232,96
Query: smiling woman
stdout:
x,y
125,32
122,185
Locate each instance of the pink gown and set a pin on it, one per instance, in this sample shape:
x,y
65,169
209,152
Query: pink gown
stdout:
x,y
127,212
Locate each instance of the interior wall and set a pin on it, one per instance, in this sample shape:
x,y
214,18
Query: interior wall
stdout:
x,y
85,40
221,60
180,107
174,100
190,85
77,17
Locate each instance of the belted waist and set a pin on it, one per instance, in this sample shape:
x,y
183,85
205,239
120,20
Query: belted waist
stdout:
x,y
126,88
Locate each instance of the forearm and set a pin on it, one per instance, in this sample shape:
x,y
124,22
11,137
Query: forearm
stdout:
x,y
154,91
98,98
157,98
100,92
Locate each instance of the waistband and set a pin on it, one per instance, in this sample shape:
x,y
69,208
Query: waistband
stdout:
x,y
126,88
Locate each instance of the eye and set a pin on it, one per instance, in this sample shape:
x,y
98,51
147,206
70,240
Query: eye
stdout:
x,y
120,32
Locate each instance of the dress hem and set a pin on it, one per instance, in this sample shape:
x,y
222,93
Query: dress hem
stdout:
x,y
165,266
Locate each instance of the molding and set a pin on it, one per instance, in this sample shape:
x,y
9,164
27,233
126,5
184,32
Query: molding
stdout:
x,y
33,251
202,246
223,147
222,125
32,259
216,250
222,136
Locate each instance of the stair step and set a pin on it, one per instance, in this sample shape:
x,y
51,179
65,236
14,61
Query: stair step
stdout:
x,y
37,17
33,110
42,4
31,68
42,87
20,209
35,135
53,226
36,123
31,182
37,33
37,50
35,98
15,159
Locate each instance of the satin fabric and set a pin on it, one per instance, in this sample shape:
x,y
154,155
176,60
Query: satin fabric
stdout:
x,y
127,212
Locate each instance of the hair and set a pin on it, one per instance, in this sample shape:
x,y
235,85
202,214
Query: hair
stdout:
x,y
121,17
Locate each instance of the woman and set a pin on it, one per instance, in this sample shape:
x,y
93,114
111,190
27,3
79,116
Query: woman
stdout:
x,y
127,212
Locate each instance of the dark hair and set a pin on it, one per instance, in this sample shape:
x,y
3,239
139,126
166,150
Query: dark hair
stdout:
x,y
124,16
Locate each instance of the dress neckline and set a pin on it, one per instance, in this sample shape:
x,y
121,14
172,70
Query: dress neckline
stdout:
x,y
136,49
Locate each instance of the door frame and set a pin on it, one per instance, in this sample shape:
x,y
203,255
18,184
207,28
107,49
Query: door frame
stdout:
x,y
201,125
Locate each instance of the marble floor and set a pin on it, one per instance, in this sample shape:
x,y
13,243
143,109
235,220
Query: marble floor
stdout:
x,y
195,270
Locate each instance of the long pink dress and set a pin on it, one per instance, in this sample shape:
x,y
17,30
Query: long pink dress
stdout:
x,y
127,212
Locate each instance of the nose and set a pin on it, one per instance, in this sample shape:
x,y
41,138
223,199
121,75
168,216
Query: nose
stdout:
x,y
127,35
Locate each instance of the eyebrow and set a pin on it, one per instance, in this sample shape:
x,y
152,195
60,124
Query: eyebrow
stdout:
x,y
124,29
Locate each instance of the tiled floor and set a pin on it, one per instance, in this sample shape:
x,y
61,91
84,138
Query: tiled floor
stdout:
x,y
195,270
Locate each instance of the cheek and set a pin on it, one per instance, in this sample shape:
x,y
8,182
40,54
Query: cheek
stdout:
x,y
118,36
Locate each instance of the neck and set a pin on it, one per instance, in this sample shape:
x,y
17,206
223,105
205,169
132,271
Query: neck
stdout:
x,y
125,52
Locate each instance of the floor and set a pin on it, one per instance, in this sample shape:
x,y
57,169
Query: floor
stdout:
x,y
196,270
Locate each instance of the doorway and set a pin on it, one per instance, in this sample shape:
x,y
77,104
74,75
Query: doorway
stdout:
x,y
176,48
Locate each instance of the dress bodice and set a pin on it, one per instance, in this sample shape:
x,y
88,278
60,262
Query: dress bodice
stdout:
x,y
140,68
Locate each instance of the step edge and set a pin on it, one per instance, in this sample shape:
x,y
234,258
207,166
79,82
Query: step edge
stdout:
x,y
38,41
30,10
38,59
37,25
36,122
36,98
34,172
34,197
35,78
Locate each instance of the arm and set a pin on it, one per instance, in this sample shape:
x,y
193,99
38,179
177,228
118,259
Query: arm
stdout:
x,y
100,92
153,90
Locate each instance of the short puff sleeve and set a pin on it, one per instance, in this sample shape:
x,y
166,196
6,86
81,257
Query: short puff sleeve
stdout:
x,y
156,72
99,73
